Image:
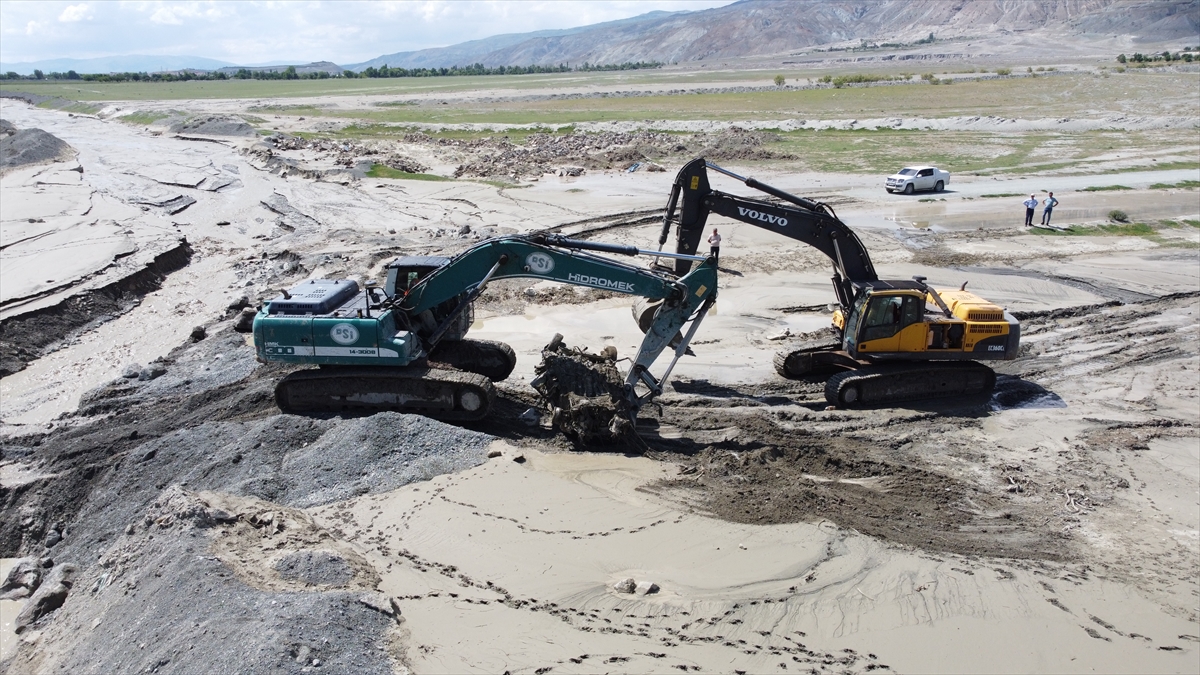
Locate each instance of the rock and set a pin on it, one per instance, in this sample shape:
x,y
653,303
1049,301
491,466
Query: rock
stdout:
x,y
198,333
131,371
22,580
465,229
239,303
492,454
532,417
52,538
571,171
787,333
152,371
378,602
646,588
625,586
245,320
519,459
50,595
222,223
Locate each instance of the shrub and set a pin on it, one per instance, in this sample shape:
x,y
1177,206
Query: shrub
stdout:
x,y
1118,215
1004,72
779,80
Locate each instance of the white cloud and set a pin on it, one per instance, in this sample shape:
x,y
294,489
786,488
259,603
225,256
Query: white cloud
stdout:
x,y
278,31
74,13
166,16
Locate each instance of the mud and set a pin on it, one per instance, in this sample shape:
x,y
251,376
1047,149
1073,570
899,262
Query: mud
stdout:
x,y
26,337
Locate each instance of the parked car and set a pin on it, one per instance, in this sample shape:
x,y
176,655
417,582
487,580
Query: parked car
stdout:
x,y
911,179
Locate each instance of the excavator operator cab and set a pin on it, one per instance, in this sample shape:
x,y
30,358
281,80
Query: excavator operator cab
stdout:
x,y
887,317
404,272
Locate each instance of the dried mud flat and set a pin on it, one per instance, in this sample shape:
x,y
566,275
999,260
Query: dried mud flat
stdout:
x,y
190,526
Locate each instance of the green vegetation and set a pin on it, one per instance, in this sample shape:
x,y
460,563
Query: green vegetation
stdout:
x,y
381,171
143,118
478,69
1001,194
1188,221
1104,188
1143,230
1166,57
1004,72
780,80
1180,184
1118,215
861,78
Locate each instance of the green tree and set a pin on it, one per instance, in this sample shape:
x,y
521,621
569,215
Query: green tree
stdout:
x,y
290,73
1121,58
38,75
779,80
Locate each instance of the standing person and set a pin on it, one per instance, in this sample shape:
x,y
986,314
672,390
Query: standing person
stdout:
x,y
714,243
1050,203
1030,205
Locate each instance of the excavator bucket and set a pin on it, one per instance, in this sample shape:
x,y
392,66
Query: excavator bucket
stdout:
x,y
583,393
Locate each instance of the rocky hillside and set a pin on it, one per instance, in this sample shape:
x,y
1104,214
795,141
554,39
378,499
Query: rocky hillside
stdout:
x,y
762,27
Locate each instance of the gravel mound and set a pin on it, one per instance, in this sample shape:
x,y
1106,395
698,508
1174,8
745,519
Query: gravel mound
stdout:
x,y
315,567
26,147
213,125
168,606
290,460
7,128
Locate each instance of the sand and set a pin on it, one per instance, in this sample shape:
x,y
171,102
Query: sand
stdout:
x,y
888,538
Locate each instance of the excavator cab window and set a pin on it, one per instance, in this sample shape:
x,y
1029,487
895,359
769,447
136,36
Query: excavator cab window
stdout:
x,y
883,317
887,314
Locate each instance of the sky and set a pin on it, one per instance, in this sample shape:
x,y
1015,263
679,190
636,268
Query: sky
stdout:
x,y
245,33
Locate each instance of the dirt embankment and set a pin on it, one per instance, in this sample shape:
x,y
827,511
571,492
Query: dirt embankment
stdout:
x,y
28,336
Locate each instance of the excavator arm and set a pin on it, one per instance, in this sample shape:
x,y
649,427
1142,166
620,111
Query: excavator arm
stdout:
x,y
556,258
811,222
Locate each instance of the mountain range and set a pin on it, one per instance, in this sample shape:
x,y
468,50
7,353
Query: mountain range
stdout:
x,y
764,27
751,28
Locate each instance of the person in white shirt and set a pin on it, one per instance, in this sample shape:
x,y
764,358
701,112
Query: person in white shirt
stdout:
x,y
714,243
1030,205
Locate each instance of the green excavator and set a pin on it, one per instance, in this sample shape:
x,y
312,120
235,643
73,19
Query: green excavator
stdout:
x,y
374,347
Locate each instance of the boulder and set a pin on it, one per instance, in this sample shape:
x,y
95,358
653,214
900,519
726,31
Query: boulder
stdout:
x,y
49,596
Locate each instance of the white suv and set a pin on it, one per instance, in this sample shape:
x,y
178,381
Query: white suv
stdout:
x,y
910,179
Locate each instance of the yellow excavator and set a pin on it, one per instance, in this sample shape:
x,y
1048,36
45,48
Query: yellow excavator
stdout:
x,y
893,341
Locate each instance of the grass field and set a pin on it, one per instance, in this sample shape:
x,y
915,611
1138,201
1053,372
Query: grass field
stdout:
x,y
384,108
1142,93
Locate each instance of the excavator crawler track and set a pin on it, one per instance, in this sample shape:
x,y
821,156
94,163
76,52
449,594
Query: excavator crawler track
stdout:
x,y
442,394
887,384
493,360
813,357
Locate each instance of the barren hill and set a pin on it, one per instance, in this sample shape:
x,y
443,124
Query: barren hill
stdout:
x,y
761,27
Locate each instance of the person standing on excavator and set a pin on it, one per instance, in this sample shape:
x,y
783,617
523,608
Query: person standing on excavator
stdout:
x,y
714,243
